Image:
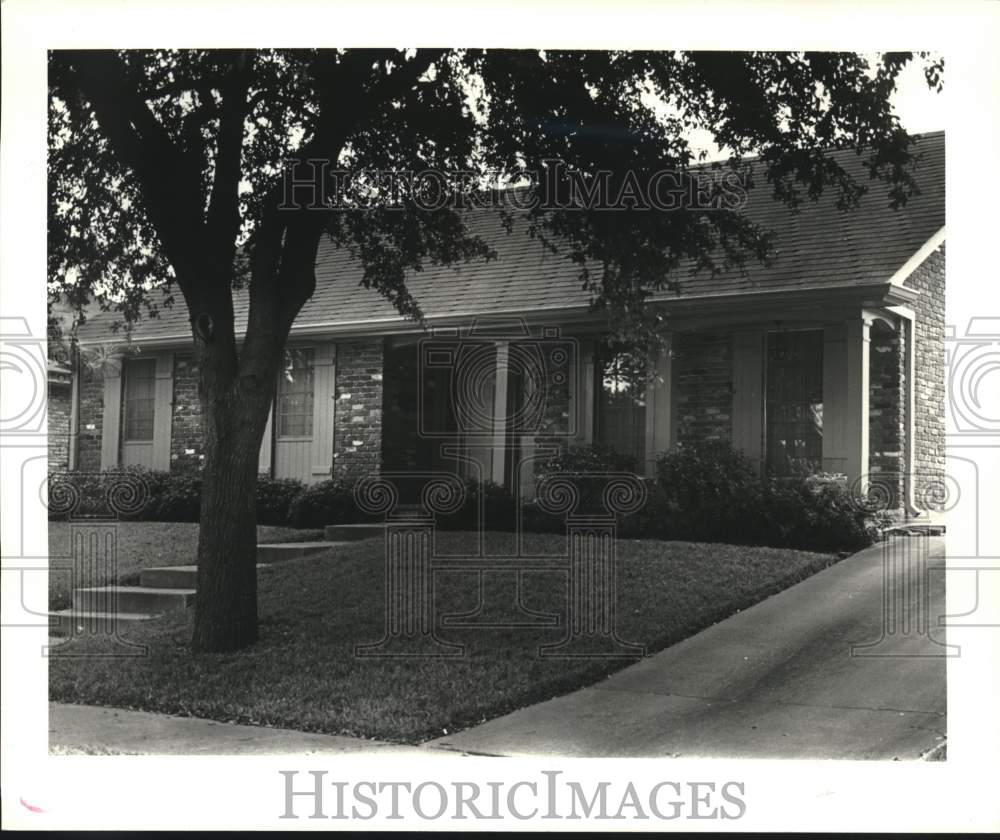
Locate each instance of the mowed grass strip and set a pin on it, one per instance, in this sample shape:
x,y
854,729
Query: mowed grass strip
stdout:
x,y
304,674
137,546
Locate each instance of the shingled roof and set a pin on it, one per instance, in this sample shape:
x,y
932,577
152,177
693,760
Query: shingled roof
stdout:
x,y
819,247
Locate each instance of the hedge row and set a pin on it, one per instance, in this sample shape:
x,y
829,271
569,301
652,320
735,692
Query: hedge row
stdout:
x,y
702,493
152,496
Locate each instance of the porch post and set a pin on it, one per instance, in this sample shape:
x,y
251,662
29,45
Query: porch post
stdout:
x,y
659,408
500,413
858,334
585,404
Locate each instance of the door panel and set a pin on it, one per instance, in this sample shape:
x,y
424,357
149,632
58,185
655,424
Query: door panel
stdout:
x,y
138,412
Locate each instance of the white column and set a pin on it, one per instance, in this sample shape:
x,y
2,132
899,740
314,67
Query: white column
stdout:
x,y
500,413
584,392
858,336
659,407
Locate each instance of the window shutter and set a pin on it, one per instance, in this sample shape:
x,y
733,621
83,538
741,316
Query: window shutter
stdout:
x,y
323,395
163,411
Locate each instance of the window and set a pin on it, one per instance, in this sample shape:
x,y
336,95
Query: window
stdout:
x,y
139,399
621,405
295,394
794,406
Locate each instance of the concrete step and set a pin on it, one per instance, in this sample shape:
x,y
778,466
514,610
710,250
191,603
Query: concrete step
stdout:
x,y
354,531
74,622
169,577
131,599
277,552
173,577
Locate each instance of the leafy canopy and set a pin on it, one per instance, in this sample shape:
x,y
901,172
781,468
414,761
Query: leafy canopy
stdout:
x,y
165,166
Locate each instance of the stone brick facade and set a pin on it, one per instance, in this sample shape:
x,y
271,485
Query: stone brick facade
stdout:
x,y
60,410
555,426
91,419
357,424
703,372
929,422
887,413
185,432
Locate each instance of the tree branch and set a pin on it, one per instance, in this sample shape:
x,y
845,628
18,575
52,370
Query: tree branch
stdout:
x,y
168,178
223,217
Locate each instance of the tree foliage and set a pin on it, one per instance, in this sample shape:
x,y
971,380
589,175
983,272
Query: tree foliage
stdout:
x,y
160,159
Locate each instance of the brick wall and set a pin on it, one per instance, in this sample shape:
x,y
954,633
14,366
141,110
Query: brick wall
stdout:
x,y
559,364
357,429
703,372
185,432
88,452
929,423
59,412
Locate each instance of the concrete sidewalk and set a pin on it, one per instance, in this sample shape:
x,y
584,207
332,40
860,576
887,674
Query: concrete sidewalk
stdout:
x,y
776,681
103,731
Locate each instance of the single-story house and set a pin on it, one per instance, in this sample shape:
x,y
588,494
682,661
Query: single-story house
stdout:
x,y
828,359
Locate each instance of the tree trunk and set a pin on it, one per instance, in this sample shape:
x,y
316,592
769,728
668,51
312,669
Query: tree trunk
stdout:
x,y
234,419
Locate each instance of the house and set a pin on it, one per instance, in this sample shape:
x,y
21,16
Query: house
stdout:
x,y
828,359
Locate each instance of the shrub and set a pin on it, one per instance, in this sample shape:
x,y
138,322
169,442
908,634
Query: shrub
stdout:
x,y
275,497
487,506
592,458
706,487
138,494
325,503
129,493
177,498
800,513
709,492
585,466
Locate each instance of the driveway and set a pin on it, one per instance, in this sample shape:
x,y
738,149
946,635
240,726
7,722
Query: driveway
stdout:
x,y
776,681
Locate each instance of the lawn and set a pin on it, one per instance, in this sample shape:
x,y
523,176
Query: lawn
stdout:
x,y
139,545
303,672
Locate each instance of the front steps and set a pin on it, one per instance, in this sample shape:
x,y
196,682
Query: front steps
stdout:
x,y
101,609
279,552
353,532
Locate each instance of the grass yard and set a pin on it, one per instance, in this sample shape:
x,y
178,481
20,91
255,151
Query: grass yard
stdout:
x,y
139,545
303,672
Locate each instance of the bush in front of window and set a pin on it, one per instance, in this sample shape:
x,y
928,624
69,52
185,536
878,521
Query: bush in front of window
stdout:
x,y
486,506
816,516
275,497
709,492
325,503
705,489
584,467
176,498
140,495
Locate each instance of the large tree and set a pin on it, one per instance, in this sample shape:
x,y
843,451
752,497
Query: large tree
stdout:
x,y
169,170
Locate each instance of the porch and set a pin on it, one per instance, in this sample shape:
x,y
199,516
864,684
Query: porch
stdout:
x,y
799,389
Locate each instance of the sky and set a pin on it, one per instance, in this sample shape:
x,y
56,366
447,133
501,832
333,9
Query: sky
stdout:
x,y
920,109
